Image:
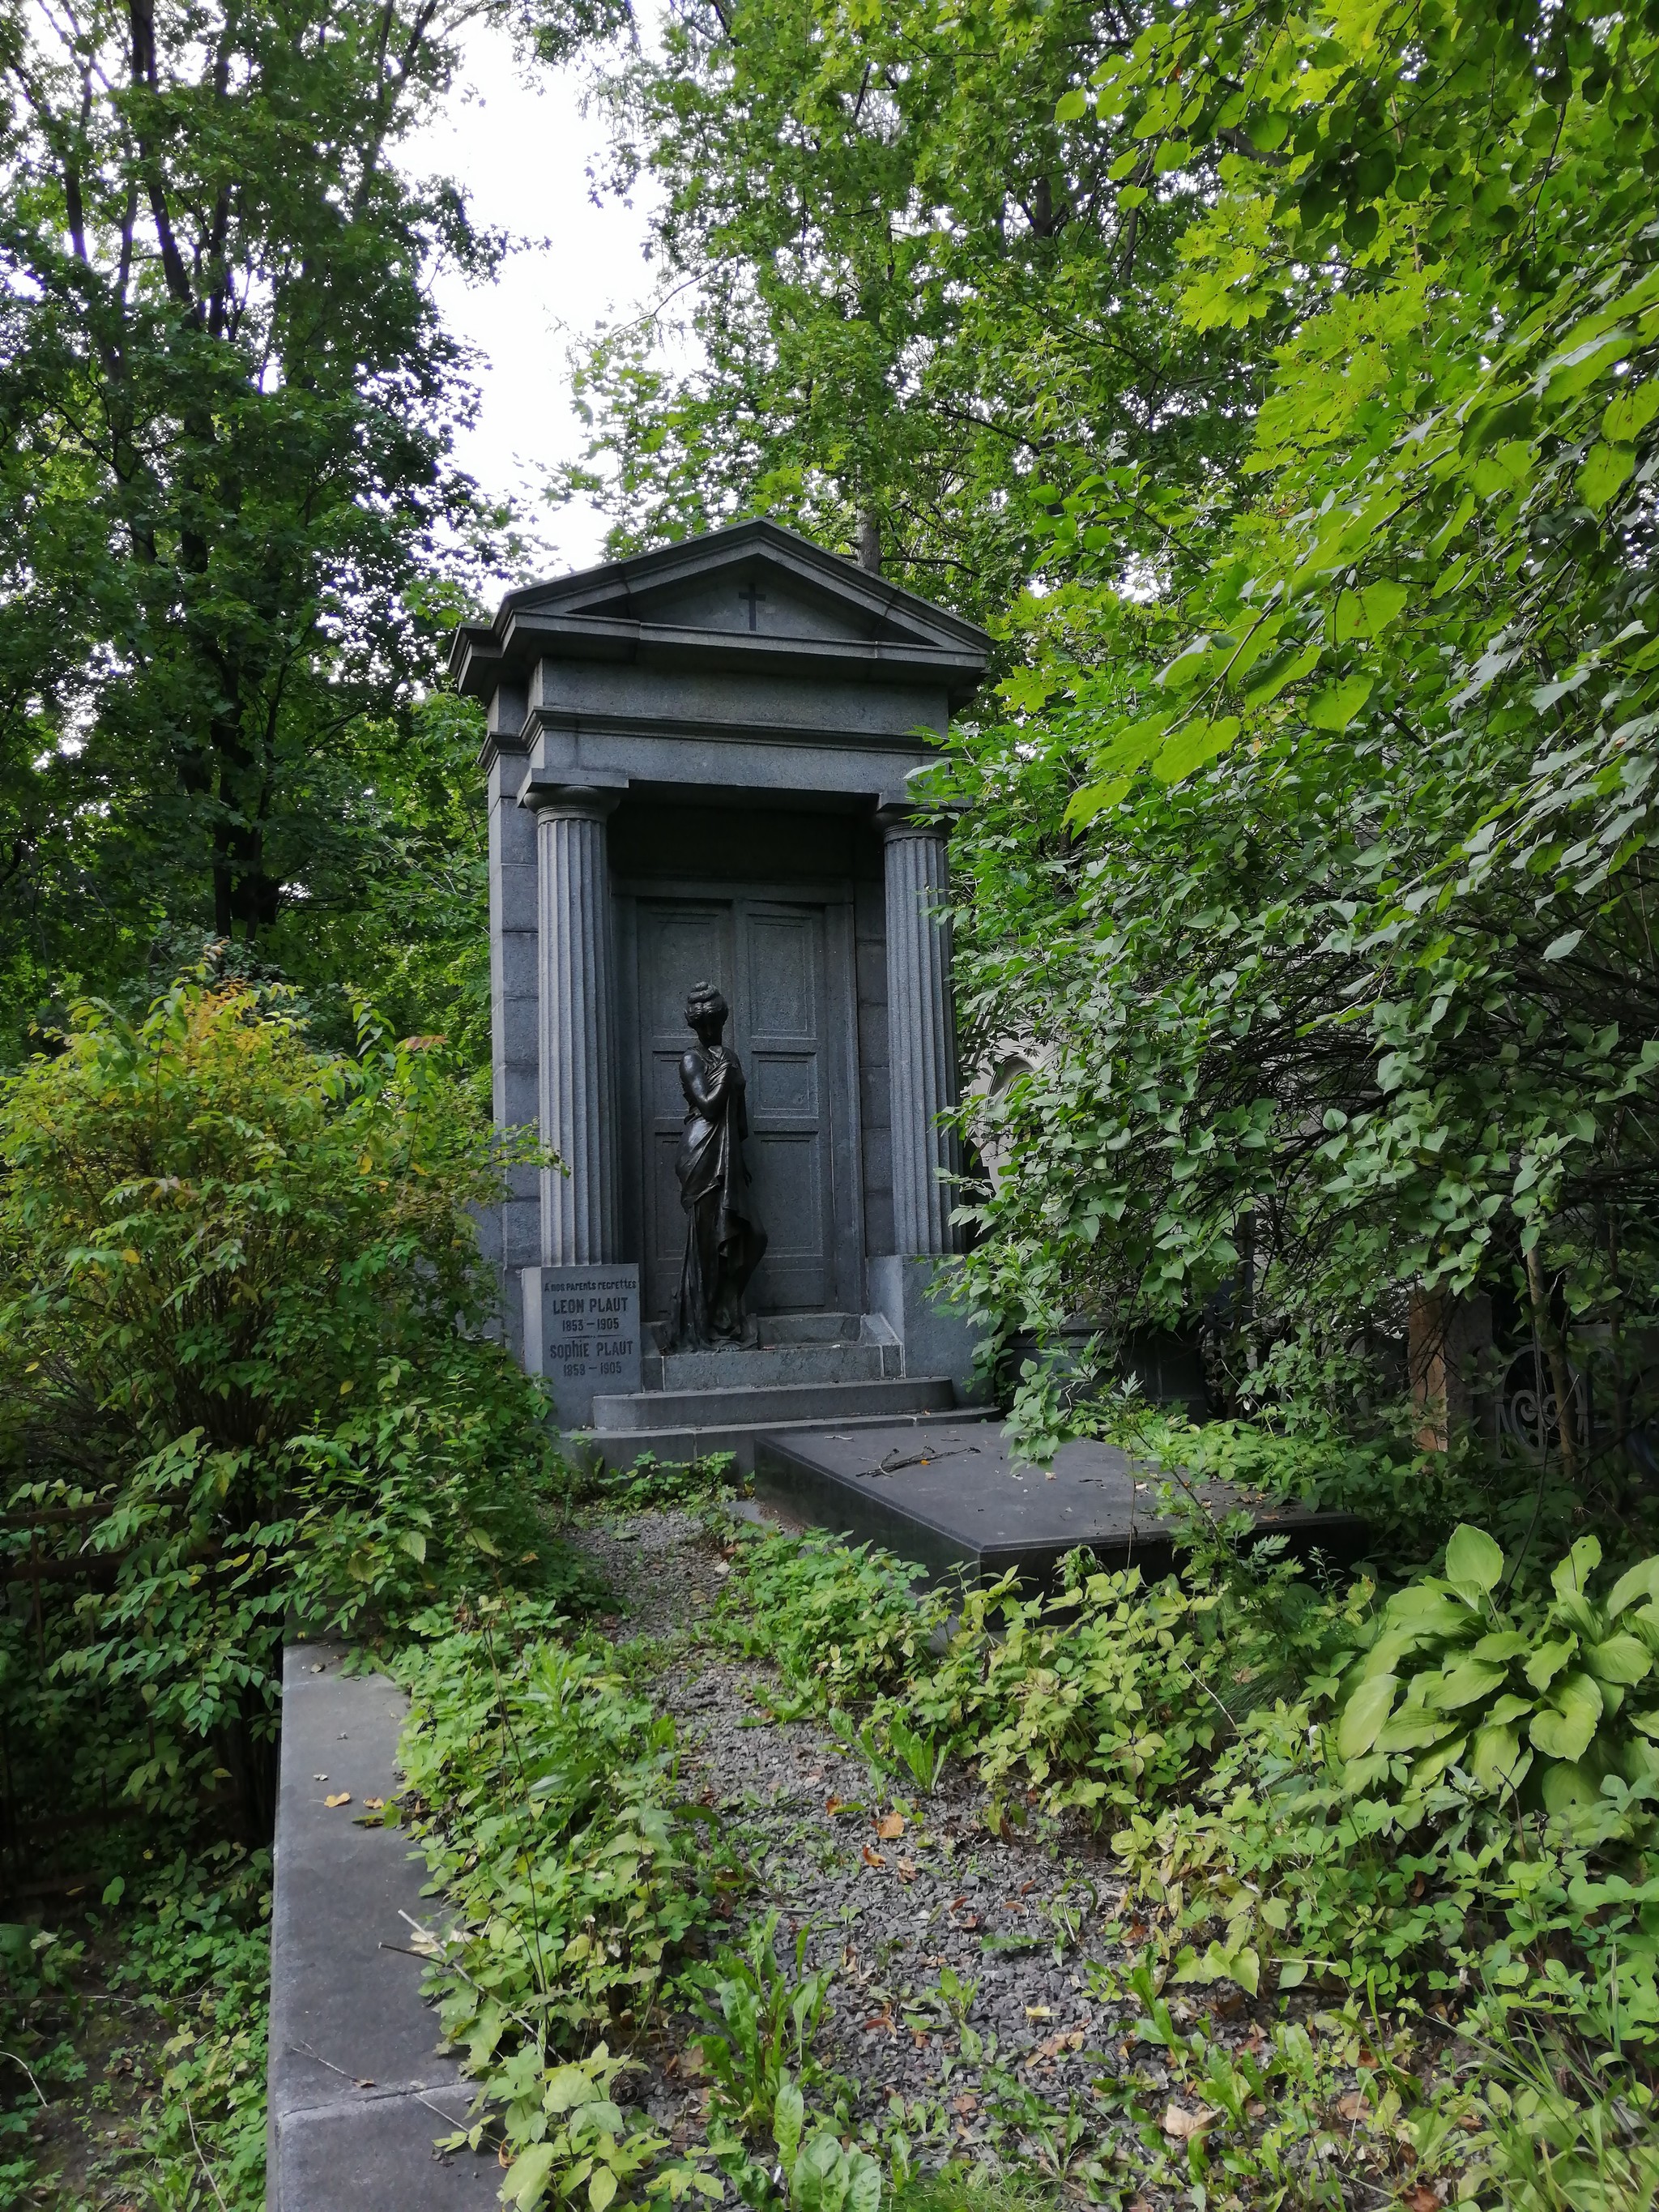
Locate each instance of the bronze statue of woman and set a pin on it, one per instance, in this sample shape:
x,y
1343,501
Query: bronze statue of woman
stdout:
x,y
724,1240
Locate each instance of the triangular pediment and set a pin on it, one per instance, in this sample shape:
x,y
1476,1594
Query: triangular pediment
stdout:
x,y
755,579
753,591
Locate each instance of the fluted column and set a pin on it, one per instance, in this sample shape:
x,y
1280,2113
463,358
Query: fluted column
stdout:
x,y
921,1039
577,1029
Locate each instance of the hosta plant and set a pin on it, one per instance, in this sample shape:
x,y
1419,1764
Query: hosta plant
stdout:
x,y
1534,1699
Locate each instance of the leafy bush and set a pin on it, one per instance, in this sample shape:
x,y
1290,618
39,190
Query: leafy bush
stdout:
x,y
240,1371
1093,1697
1452,1675
551,1814
1447,1853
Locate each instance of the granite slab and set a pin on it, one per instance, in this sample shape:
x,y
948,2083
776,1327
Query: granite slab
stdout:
x,y
357,2091
948,1494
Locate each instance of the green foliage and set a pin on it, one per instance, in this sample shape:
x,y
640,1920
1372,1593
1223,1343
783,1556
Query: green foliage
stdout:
x,y
196,1946
548,1796
760,2022
843,1623
1094,1699
1542,1700
239,1375
919,296
230,527
178,1961
1559,2138
1391,1825
815,2169
1315,863
565,2133
825,2174
648,1486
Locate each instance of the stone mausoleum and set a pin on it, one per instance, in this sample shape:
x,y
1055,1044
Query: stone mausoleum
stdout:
x,y
700,767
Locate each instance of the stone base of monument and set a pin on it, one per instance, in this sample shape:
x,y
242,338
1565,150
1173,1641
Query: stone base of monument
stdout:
x,y
807,1370
947,1493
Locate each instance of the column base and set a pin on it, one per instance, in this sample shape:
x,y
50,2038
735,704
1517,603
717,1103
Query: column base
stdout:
x,y
909,1293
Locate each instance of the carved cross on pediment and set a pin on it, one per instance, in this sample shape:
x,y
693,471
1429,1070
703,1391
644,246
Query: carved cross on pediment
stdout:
x,y
753,599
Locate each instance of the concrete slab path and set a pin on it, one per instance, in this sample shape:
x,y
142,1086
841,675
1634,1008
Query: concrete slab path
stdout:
x,y
357,2093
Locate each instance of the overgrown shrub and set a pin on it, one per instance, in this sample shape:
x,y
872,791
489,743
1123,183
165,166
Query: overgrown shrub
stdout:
x,y
242,1372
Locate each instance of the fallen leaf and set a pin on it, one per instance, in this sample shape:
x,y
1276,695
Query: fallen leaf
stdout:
x,y
968,1922
891,1827
1058,2044
833,1804
1354,2105
374,1804
1419,2198
965,2103
873,1858
341,1797
1038,2012
367,2083
880,2019
1182,2126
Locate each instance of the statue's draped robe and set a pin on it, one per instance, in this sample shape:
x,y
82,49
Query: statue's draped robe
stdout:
x,y
724,1240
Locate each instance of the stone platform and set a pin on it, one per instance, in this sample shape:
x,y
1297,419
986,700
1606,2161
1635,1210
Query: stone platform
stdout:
x,y
945,1493
806,1370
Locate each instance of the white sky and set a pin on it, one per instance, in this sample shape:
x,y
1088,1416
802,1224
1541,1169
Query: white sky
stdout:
x,y
515,138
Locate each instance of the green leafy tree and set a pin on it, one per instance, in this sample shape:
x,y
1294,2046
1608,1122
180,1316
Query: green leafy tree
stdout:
x,y
230,531
918,292
1321,877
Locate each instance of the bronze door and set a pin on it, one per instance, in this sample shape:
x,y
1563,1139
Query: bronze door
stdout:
x,y
768,957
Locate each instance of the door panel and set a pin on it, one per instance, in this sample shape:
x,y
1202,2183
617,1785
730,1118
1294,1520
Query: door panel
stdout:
x,y
783,1049
768,957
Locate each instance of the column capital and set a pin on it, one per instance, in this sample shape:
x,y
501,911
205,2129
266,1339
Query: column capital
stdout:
x,y
912,818
592,802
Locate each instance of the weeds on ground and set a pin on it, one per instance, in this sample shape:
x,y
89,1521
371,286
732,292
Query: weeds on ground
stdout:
x,y
651,1486
760,2022
179,2021
1444,1799
546,1790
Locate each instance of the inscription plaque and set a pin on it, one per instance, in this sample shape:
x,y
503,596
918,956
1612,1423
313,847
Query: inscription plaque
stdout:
x,y
581,1334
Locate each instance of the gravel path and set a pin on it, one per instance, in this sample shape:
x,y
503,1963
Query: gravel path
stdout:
x,y
899,1892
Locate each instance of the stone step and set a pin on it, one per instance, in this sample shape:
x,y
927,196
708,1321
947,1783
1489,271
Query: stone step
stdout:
x,y
774,1330
759,1407
736,1367
621,1448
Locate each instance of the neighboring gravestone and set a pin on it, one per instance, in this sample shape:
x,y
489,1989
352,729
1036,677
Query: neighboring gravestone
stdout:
x,y
702,763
